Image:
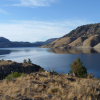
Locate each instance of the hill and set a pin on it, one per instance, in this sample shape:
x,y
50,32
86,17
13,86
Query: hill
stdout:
x,y
61,42
5,43
40,43
85,31
86,36
2,39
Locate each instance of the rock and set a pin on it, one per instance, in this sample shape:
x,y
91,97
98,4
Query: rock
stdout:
x,y
67,74
98,92
7,97
53,73
46,71
74,74
49,96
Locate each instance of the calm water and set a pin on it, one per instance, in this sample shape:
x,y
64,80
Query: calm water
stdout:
x,y
54,59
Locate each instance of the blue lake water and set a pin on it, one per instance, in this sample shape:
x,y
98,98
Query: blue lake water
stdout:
x,y
54,59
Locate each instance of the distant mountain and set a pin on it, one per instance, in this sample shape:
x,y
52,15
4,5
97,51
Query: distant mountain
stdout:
x,y
5,43
49,41
86,36
2,39
40,43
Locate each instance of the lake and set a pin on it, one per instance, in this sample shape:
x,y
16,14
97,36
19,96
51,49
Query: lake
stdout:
x,y
58,60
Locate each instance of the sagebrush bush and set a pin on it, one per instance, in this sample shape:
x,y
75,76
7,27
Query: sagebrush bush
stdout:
x,y
41,70
15,75
90,75
54,90
78,68
24,61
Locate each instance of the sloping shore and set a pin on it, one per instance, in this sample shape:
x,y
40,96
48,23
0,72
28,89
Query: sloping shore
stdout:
x,y
50,86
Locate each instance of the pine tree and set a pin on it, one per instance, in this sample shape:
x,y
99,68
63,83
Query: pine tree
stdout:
x,y
78,68
29,61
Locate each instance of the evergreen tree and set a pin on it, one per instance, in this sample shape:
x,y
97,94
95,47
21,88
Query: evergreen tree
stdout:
x,y
29,61
78,68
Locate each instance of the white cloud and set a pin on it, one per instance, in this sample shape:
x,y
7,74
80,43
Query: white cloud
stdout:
x,y
37,30
3,11
34,3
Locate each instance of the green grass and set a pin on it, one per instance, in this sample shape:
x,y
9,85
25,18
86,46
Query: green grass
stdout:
x,y
41,70
15,75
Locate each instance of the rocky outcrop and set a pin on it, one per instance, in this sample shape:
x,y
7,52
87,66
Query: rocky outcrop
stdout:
x,y
7,67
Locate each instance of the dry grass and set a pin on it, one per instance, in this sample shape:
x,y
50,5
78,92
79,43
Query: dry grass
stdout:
x,y
60,42
60,87
78,41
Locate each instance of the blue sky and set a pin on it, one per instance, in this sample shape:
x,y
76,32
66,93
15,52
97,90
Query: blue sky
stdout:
x,y
39,20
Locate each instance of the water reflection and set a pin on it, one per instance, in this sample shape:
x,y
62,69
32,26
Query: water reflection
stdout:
x,y
73,51
57,59
4,52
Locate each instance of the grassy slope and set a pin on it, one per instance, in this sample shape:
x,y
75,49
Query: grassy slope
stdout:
x,y
39,85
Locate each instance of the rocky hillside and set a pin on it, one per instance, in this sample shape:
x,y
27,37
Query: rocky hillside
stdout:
x,y
86,36
7,67
50,86
85,31
39,84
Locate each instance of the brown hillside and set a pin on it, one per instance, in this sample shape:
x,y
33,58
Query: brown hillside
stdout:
x,y
78,42
92,41
61,42
97,46
87,37
74,51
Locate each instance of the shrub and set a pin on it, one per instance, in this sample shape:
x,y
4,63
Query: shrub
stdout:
x,y
54,90
90,75
24,61
23,75
78,68
15,75
41,70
